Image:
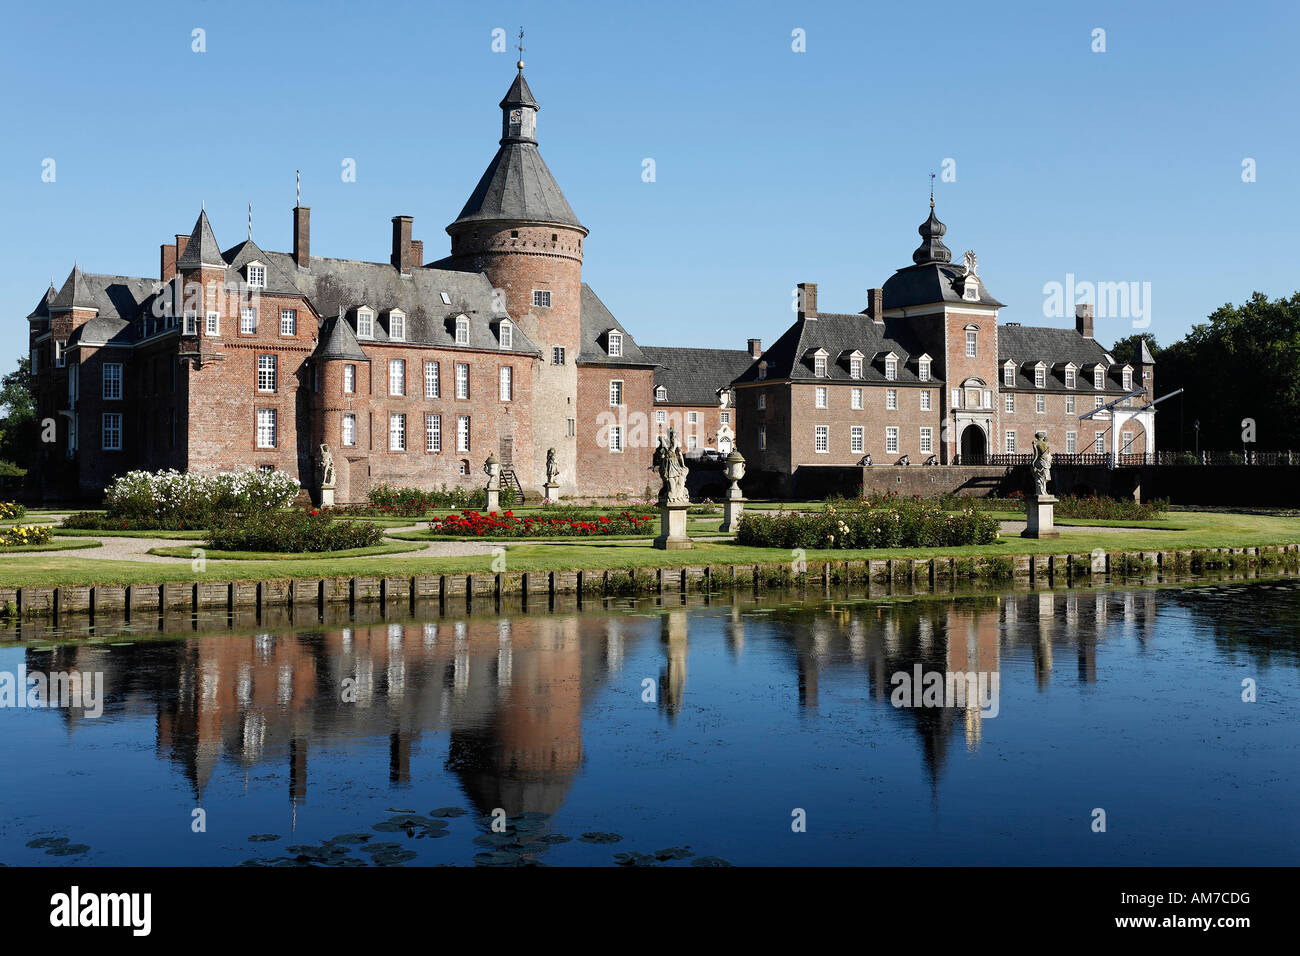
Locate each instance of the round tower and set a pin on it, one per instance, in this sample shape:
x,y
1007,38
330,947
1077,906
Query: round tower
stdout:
x,y
518,228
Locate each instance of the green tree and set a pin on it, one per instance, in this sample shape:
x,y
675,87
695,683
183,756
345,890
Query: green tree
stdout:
x,y
18,426
1126,349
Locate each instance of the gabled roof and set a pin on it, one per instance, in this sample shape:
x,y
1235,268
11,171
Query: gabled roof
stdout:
x,y
836,333
1028,345
202,248
75,293
595,322
277,281
694,376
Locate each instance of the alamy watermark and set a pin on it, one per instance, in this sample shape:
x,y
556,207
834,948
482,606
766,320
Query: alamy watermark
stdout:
x,y
920,688
59,689
1112,300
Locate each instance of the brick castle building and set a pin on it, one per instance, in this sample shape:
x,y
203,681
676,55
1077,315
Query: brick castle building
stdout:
x,y
926,375
412,373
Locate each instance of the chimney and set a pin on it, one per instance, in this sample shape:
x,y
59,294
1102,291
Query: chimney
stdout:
x,y
181,242
417,252
808,300
755,348
302,236
402,244
876,305
167,261
1083,320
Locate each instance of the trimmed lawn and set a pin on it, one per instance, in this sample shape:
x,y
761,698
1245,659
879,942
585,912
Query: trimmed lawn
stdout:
x,y
172,535
216,555
55,546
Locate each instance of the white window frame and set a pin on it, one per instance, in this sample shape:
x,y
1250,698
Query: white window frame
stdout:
x,y
1127,377
541,298
288,322
1099,443
268,422
762,437
462,330
661,393
557,355
923,370
855,399
615,344
724,418
397,325
265,368
349,379
762,401
891,399
1071,443
60,353
891,369
110,431
397,377
972,343
891,440
1071,378
462,433
819,366
112,376
822,439
1009,403
822,397
1098,377
365,324
1126,443
248,320
191,325
348,430
506,383
616,439
1069,404
462,380
1040,377
855,366
1040,404
256,275
1009,441
506,333
927,440
212,323
432,380
616,393
397,431
857,439
432,432
925,400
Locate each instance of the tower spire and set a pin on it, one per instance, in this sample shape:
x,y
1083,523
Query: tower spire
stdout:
x,y
520,64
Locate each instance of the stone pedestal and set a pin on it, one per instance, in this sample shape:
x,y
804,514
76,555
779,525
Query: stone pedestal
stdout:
x,y
732,509
327,497
672,529
550,494
493,500
1039,522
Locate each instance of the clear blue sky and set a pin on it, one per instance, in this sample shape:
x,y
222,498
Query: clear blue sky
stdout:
x,y
773,167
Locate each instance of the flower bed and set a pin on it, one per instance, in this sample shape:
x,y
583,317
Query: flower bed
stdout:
x,y
11,511
907,524
473,524
23,535
293,532
178,501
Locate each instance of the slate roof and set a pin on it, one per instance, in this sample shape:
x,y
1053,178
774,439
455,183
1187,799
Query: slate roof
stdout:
x,y
931,282
338,341
596,321
278,282
694,376
42,310
519,94
1027,345
202,248
119,300
75,293
790,356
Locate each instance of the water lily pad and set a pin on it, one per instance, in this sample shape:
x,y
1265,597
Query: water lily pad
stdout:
x,y
350,838
69,849
710,861
553,838
673,853
42,842
263,837
634,859
596,836
494,839
448,812
497,858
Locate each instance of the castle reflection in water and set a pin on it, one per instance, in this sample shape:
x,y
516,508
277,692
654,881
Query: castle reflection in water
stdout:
x,y
509,692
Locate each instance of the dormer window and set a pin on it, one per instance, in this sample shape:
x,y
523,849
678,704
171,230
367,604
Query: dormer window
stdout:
x,y
819,366
923,368
462,330
397,325
1040,376
891,368
762,370
661,394
446,299
1009,375
365,324
1098,377
971,289
1128,379
507,335
855,366
1069,377
256,275
615,344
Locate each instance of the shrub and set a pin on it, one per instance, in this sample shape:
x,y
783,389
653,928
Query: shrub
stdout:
x,y
11,510
180,501
907,523
472,524
21,535
293,532
415,502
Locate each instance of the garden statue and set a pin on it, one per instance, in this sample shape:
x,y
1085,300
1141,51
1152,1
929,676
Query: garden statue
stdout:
x,y
552,486
1042,465
1039,517
326,477
492,468
670,463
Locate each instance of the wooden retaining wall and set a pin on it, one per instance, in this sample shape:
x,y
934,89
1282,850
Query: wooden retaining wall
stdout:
x,y
1041,570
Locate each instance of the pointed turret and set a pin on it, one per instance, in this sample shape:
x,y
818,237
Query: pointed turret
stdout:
x,y
75,294
42,310
202,249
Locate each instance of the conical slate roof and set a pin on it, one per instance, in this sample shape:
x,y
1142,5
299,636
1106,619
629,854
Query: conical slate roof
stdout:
x,y
519,94
338,341
202,248
1144,354
75,293
42,309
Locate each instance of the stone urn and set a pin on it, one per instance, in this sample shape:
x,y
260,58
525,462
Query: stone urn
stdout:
x,y
734,505
492,468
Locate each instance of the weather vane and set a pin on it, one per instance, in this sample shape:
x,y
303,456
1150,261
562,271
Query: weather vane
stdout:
x,y
521,48
932,190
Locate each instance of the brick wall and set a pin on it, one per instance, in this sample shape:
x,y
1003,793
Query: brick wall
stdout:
x,y
601,471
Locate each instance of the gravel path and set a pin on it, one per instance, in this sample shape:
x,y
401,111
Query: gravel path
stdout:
x,y
1015,527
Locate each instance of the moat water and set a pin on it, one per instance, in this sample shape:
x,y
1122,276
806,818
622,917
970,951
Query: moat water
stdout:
x,y
676,731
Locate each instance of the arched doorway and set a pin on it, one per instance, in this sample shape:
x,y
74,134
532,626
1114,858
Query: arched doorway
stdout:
x,y
974,446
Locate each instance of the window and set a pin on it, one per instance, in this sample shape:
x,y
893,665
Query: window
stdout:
x,y
855,440
257,276
615,393
661,417
247,320
923,370
692,442
74,386
507,335
1069,378
762,401
433,433
891,441
615,344
925,400
112,380
571,427
1010,402
1126,443
349,430
1071,442
266,428
557,355
397,326
1098,401
970,343
891,398
762,371
213,326
462,380
462,433
506,389
927,441
462,467
661,394
1040,377
397,432
1040,403
541,299
1128,379
1069,404
446,299
59,346
1098,377
397,376
891,369
1011,443
365,324
616,438
462,330
821,439
762,437
724,418
432,384
349,379
855,398
288,321
693,418
111,437
266,368
855,367
821,396
191,323
1099,443
819,366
